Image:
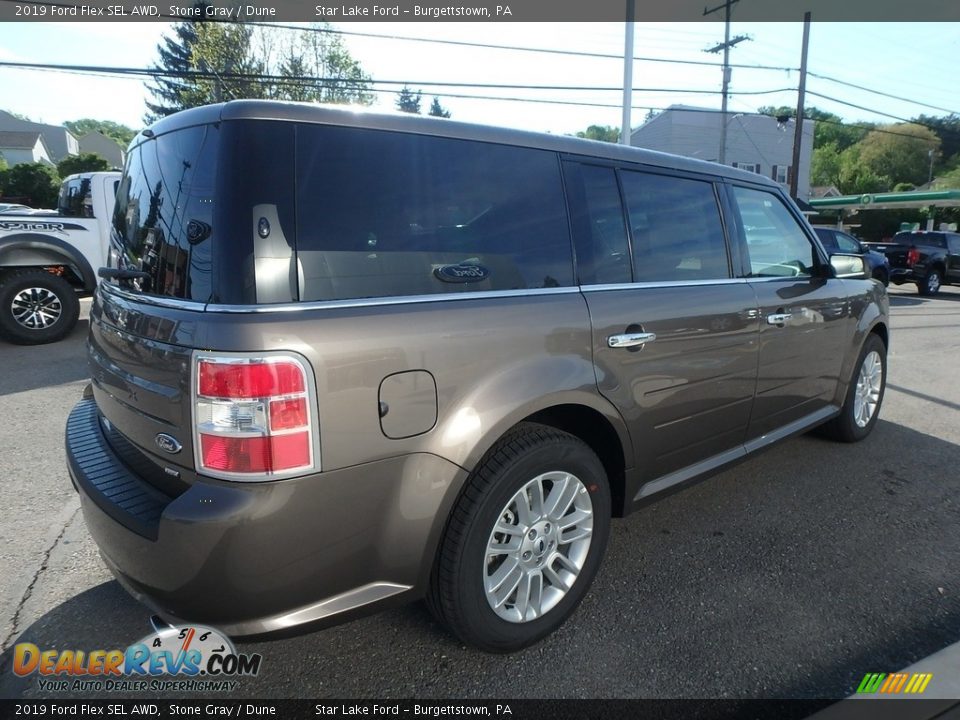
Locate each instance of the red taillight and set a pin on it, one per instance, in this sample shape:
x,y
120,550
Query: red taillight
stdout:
x,y
249,380
913,257
252,417
255,454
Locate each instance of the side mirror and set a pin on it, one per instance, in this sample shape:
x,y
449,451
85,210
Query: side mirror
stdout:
x,y
848,266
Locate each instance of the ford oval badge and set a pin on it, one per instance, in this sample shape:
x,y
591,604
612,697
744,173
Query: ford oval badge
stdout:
x,y
167,443
461,273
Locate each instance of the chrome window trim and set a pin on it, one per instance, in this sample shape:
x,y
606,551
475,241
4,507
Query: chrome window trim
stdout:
x,y
157,300
662,284
420,299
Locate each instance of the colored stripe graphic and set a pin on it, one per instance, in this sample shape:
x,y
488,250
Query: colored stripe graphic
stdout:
x,y
871,682
894,683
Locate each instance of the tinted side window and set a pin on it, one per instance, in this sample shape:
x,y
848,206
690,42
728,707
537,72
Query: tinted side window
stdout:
x,y
954,242
603,253
70,202
677,232
827,238
164,214
776,243
387,214
847,244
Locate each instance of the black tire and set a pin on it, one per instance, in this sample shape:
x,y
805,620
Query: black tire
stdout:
x,y
931,284
457,595
51,293
883,276
844,427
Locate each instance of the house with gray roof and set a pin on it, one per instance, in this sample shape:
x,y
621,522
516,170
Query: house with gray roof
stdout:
x,y
23,147
59,141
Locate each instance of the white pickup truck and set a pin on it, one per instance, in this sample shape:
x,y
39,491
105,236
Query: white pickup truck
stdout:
x,y
47,262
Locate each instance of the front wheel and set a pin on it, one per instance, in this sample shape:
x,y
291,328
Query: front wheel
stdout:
x,y
864,396
930,285
37,307
524,541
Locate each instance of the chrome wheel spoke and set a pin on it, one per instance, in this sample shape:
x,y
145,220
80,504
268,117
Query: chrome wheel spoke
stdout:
x,y
867,392
553,577
538,546
561,496
36,308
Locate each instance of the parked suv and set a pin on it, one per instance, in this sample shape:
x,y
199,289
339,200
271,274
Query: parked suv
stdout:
x,y
343,360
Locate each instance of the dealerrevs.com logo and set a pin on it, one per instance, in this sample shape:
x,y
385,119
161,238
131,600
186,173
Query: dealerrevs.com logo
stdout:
x,y
172,658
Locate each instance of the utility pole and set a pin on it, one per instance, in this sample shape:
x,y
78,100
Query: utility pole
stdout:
x,y
627,76
725,46
798,130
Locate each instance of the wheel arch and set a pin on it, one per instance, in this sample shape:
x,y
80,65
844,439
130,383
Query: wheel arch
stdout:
x,y
33,250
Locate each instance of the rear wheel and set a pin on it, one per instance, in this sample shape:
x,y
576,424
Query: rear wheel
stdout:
x,y
882,275
36,307
930,285
524,541
864,396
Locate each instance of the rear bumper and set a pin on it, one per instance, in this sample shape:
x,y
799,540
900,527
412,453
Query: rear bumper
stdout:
x,y
255,558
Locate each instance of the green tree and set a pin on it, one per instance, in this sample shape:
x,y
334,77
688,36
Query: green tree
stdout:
x,y
37,182
947,128
825,166
899,153
170,91
855,177
115,131
606,133
223,54
316,66
214,62
438,110
84,162
408,101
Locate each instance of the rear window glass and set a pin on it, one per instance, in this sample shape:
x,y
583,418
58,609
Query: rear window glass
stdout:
x,y
384,214
163,219
921,238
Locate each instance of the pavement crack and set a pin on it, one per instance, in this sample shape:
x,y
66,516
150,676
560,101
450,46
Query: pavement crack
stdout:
x,y
25,598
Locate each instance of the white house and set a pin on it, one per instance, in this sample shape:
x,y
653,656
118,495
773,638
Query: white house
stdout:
x,y
58,140
23,147
757,143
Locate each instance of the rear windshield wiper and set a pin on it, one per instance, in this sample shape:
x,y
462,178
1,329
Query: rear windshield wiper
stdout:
x,y
121,274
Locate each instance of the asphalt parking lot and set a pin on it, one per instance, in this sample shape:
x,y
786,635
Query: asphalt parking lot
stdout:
x,y
791,575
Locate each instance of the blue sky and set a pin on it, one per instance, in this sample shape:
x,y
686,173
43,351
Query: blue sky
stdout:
x,y
915,61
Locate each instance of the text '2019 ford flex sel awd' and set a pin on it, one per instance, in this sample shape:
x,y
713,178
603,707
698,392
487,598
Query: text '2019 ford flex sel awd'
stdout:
x,y
341,360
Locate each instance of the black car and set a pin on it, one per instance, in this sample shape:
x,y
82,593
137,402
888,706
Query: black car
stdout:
x,y
834,240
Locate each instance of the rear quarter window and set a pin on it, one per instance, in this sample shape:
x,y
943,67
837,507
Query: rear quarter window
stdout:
x,y
384,214
164,216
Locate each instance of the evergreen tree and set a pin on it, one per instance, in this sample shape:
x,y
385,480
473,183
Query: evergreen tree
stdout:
x,y
176,57
408,101
438,110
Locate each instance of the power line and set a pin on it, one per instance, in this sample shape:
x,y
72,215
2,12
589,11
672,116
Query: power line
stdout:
x,y
514,48
267,77
884,94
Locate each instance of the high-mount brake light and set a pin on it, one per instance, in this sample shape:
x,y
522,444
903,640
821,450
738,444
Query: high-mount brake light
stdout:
x,y
252,417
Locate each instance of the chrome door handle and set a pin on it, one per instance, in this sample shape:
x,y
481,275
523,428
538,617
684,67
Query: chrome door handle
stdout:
x,y
779,318
629,340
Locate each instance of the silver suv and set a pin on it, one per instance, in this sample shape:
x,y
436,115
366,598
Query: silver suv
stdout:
x,y
341,361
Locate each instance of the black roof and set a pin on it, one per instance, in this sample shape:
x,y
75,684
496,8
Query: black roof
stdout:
x,y
407,122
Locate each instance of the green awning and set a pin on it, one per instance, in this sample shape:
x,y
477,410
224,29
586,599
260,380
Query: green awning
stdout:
x,y
889,201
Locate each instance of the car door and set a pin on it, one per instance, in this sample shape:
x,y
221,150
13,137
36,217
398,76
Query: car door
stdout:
x,y
953,258
674,333
804,313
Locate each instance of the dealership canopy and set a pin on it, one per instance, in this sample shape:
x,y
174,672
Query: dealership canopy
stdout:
x,y
889,201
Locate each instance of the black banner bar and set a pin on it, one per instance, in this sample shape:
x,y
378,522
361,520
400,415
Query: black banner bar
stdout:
x,y
469,10
868,709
